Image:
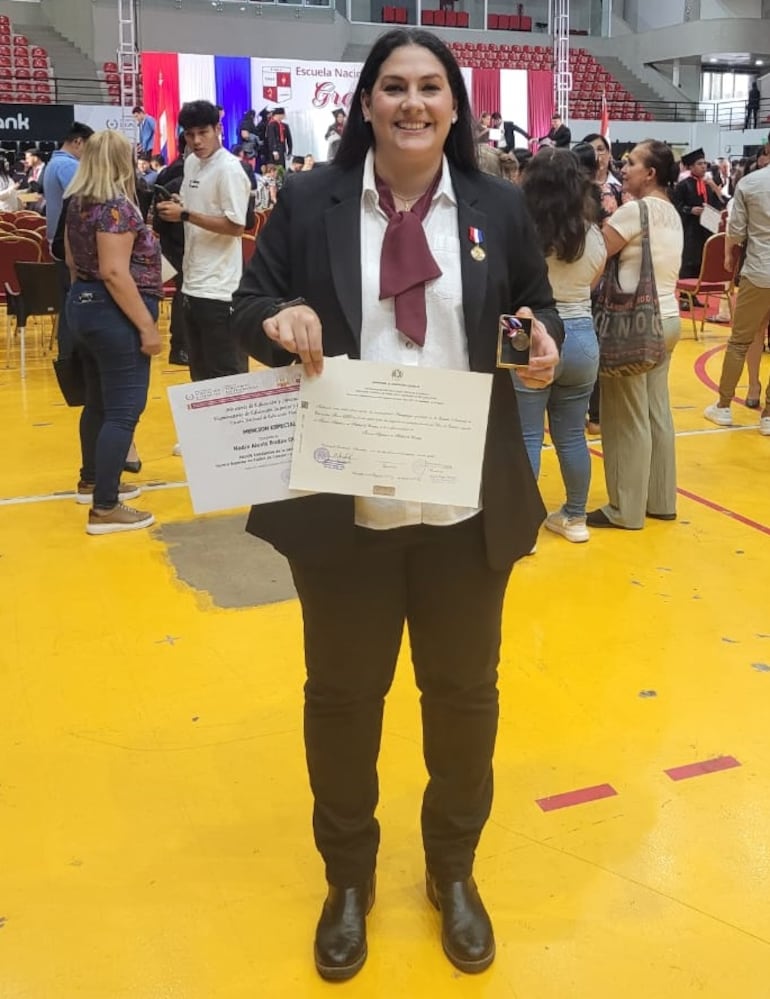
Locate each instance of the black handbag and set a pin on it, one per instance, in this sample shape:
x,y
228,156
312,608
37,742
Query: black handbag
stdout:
x,y
628,324
72,382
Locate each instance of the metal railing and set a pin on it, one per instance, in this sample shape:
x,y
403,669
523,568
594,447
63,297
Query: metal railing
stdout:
x,y
726,114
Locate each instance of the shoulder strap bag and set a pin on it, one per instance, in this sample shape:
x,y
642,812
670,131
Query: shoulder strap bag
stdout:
x,y
628,324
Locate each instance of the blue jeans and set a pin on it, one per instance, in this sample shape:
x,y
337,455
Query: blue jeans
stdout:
x,y
566,401
117,376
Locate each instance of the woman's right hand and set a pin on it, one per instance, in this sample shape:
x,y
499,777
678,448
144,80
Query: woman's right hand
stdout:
x,y
150,342
298,331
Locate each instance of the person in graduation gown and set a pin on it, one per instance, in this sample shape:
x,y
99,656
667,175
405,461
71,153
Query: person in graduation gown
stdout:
x,y
278,138
689,197
401,251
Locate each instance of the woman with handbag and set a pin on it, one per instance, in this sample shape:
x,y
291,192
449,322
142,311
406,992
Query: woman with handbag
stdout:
x,y
644,241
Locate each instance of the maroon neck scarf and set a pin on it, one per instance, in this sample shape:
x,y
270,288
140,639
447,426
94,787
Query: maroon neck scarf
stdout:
x,y
406,262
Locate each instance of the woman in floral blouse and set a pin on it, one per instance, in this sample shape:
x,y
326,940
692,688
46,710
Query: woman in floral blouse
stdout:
x,y
112,308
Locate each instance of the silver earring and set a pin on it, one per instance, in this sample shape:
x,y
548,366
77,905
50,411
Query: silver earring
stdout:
x,y
454,119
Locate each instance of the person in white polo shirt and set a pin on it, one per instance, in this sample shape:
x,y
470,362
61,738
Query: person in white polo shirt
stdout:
x,y
213,204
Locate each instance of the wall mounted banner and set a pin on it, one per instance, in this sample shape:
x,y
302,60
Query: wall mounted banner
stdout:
x,y
308,90
35,121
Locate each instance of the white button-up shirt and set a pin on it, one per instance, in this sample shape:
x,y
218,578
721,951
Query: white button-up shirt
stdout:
x,y
445,342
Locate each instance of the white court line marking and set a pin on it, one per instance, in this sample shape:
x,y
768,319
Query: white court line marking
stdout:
x,y
148,488
154,486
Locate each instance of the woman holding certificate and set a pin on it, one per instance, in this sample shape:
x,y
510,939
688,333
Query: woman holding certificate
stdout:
x,y
403,252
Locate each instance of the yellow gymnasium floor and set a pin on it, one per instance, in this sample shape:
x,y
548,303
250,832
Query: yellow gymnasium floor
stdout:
x,y
154,810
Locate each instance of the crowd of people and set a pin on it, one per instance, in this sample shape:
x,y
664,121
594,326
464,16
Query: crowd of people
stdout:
x,y
447,226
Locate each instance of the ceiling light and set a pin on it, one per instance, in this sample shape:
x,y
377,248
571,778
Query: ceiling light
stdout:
x,y
759,62
713,59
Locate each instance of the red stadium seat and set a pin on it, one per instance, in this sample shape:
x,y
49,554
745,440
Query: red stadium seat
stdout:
x,y
20,40
525,23
463,18
451,18
503,21
515,22
427,16
389,15
439,18
23,73
110,67
401,15
492,21
39,52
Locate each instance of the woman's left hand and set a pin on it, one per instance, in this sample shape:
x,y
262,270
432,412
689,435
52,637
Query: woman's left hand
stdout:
x,y
543,355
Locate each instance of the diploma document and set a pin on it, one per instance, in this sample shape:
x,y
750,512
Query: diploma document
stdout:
x,y
385,430
236,435
710,218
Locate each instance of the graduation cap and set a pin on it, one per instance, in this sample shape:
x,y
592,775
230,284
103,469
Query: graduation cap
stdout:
x,y
690,158
278,111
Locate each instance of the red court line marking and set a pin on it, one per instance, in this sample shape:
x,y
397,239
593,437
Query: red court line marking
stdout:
x,y
579,797
747,521
703,375
704,767
710,504
700,368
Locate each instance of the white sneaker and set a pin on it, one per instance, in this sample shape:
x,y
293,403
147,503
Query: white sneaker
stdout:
x,y
572,528
764,426
720,415
177,450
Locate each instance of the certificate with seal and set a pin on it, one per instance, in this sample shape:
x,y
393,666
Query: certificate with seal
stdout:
x,y
392,431
236,435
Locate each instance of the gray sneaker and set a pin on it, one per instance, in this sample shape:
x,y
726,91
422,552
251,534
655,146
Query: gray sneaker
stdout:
x,y
119,518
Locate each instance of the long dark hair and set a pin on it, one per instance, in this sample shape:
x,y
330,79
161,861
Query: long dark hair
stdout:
x,y
357,137
593,136
557,192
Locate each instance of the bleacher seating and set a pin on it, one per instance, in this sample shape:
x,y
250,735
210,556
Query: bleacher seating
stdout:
x,y
26,74
589,78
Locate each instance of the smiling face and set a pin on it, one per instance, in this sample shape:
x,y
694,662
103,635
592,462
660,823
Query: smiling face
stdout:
x,y
410,107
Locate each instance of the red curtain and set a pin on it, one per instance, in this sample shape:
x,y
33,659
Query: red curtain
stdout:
x,y
540,100
160,76
486,91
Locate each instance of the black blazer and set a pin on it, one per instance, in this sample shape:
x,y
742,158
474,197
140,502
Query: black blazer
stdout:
x,y
311,247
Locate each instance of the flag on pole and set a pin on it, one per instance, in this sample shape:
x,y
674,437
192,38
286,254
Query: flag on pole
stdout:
x,y
604,125
165,138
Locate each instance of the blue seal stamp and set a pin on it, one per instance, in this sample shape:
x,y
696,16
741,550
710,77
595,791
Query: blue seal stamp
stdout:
x,y
321,455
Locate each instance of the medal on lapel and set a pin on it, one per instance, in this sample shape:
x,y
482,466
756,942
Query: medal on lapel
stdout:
x,y
476,236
